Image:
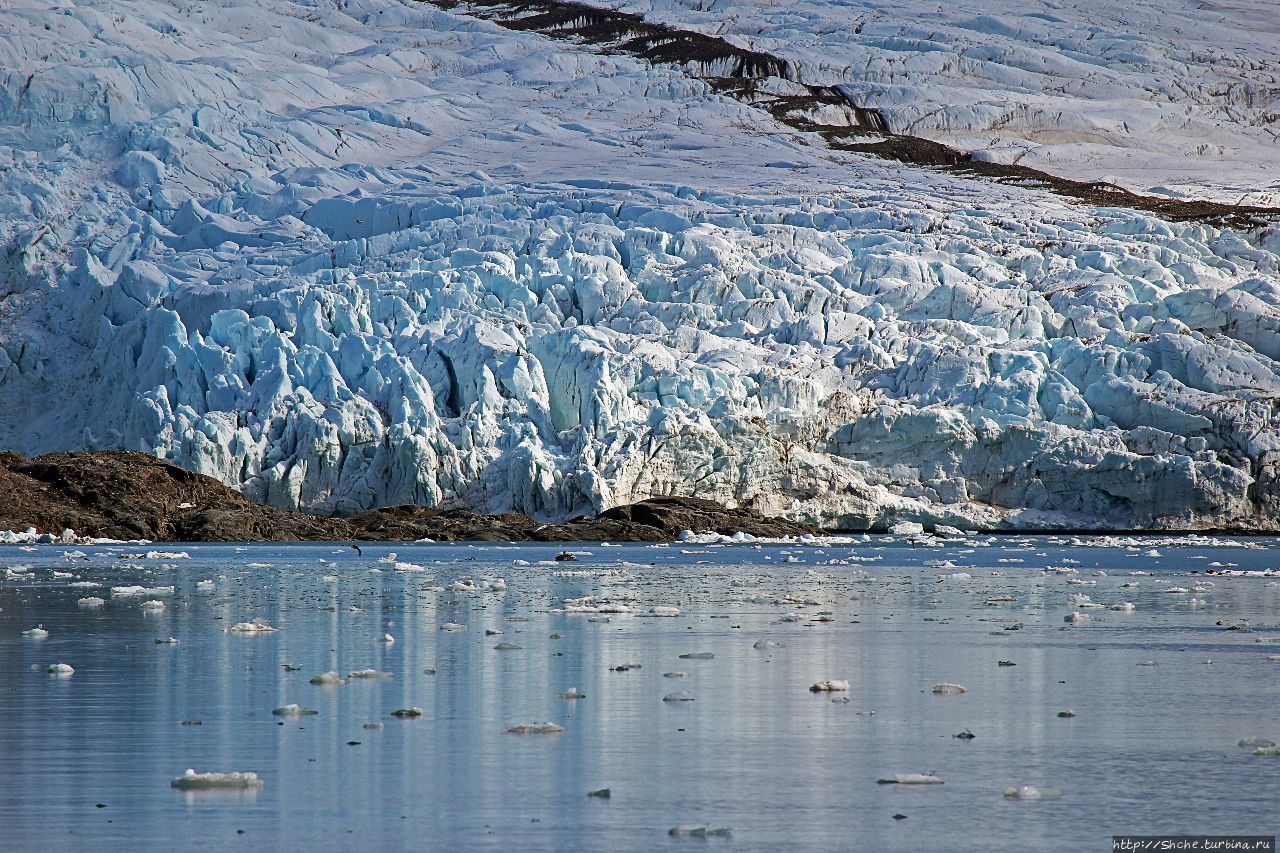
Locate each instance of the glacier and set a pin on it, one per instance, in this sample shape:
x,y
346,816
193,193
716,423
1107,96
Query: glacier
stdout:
x,y
343,255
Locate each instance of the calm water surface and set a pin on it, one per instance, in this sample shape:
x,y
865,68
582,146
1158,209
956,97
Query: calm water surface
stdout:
x,y
1152,749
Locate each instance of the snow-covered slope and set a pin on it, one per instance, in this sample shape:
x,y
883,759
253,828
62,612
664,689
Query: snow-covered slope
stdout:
x,y
1169,97
364,253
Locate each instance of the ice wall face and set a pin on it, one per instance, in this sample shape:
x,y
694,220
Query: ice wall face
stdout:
x,y
383,324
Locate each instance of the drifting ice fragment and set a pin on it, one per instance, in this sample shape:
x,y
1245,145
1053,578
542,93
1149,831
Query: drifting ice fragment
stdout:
x,y
573,693
60,669
294,710
36,633
678,696
1031,792
910,779
153,606
257,626
171,641
1268,751
663,610
697,656
1077,618
385,638
675,675
699,832
91,602
829,686
369,673
453,626
1255,743
329,677
949,689
193,781
535,729
764,644
507,647
407,713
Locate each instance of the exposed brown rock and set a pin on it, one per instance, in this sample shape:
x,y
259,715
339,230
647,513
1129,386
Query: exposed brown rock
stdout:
x,y
125,495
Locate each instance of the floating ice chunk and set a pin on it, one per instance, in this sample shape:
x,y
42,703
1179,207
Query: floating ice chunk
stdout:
x,y
60,669
294,710
1078,599
370,673
257,626
911,779
156,555
373,726
1147,663
90,602
36,633
675,675
603,793
700,831
956,576
829,686
328,678
947,689
384,638
152,605
678,696
410,567
1255,743
139,591
453,626
168,641
906,528
624,667
204,586
407,713
764,644
193,781
491,632
1177,589
998,599
1124,607
1077,618
535,729
1268,751
507,647
1129,585
664,610
573,693
1032,792
697,656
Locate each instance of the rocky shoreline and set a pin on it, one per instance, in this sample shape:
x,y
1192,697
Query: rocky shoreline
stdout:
x,y
127,495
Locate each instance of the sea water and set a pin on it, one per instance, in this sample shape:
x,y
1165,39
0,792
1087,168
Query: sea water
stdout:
x,y
1160,695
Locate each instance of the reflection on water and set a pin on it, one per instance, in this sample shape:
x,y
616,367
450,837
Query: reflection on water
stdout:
x,y
87,759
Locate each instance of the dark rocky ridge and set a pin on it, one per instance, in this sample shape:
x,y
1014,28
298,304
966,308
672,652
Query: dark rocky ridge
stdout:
x,y
126,495
743,74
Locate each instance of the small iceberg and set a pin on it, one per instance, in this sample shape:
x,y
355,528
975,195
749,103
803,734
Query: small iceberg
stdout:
x,y
385,638
90,602
193,781
36,633
257,626
294,710
947,689
535,729
829,686
700,831
910,779
664,610
59,669
453,626
369,673
328,678
1031,792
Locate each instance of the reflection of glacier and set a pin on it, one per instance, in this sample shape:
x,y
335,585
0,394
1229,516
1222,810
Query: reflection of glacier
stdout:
x,y
344,336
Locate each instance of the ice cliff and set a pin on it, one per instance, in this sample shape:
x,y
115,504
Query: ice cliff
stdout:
x,y
355,254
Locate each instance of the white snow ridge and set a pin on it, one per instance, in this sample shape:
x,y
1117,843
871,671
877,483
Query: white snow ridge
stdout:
x,y
377,253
